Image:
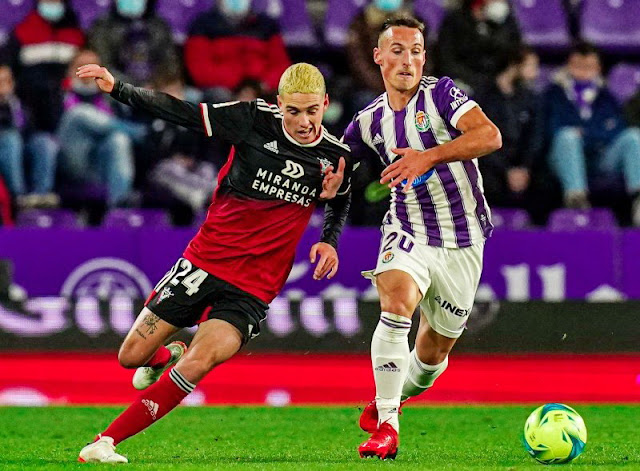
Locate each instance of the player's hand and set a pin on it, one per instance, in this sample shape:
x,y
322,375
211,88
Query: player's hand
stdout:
x,y
327,260
101,75
332,180
410,166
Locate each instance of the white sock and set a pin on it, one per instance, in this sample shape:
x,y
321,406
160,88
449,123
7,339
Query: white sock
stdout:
x,y
421,376
390,360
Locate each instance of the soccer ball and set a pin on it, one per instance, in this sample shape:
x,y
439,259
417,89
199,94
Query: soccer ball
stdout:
x,y
555,433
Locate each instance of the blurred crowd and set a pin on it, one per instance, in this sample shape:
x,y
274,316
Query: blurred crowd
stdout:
x,y
569,140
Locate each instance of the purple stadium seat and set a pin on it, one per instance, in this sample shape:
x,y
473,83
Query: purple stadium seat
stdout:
x,y
90,10
179,14
543,23
624,80
510,218
13,12
46,218
294,19
579,219
340,14
135,218
613,25
432,12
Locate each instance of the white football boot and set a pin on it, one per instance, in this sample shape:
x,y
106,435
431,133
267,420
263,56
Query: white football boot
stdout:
x,y
101,451
145,376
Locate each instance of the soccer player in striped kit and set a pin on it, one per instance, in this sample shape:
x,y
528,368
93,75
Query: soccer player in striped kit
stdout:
x,y
428,133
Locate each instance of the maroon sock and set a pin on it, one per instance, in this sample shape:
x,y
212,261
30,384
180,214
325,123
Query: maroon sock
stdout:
x,y
160,358
152,404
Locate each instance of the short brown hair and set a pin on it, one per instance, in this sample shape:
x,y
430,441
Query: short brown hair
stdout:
x,y
401,20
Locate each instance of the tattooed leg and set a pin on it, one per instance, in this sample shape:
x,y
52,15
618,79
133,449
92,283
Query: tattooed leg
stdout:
x,y
146,335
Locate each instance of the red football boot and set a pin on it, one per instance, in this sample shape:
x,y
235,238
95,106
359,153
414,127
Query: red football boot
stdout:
x,y
383,444
369,417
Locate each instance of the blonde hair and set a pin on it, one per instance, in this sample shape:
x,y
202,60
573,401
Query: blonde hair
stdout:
x,y
302,78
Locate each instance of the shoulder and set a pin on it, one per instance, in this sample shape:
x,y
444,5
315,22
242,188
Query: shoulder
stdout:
x,y
267,109
370,108
331,140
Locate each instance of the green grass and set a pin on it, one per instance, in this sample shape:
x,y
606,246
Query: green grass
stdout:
x,y
305,438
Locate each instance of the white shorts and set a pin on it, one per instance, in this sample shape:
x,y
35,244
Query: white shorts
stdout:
x,y
447,278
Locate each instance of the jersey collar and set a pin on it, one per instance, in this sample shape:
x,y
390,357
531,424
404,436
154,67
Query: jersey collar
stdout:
x,y
311,144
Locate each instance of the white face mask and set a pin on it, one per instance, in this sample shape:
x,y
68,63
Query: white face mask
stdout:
x,y
496,11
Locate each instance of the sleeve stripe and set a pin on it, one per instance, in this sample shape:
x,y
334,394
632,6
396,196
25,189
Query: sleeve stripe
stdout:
x,y
205,119
460,111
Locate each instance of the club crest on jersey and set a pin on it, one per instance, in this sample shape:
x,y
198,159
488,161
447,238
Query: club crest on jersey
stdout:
x,y
165,294
324,164
422,121
387,257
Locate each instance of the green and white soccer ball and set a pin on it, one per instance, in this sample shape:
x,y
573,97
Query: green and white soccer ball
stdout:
x,y
554,434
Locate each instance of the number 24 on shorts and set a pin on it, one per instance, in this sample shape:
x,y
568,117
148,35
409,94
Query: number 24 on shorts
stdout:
x,y
190,276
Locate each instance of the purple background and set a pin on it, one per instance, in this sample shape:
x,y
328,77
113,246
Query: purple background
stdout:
x,y
584,261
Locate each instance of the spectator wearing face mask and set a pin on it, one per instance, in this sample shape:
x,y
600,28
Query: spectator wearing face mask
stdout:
x,y
229,44
134,42
589,137
472,39
40,49
96,146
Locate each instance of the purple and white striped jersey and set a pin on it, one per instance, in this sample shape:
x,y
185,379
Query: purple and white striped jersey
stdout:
x,y
446,208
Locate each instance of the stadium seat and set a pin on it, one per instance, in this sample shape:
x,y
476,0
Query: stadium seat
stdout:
x,y
624,80
89,10
543,23
13,12
612,25
179,14
340,14
432,12
135,218
510,218
46,218
294,19
579,219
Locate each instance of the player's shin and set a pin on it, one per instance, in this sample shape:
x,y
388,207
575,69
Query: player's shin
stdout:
x,y
421,376
151,405
390,360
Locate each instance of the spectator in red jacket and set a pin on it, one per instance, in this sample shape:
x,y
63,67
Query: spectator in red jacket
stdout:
x,y
229,44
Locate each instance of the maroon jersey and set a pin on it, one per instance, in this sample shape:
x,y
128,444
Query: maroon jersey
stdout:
x,y
266,193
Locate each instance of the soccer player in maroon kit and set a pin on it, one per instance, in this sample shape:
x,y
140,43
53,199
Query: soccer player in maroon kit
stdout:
x,y
281,164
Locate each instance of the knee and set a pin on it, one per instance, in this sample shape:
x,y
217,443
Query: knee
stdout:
x,y
128,358
568,135
433,356
631,137
397,305
196,367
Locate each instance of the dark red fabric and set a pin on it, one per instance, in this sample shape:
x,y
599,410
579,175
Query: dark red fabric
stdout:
x,y
221,54
151,405
5,205
250,243
35,30
160,358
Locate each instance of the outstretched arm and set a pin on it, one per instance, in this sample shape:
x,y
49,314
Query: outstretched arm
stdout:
x,y
158,104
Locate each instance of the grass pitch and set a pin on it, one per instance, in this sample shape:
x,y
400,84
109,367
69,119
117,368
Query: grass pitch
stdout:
x,y
307,438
